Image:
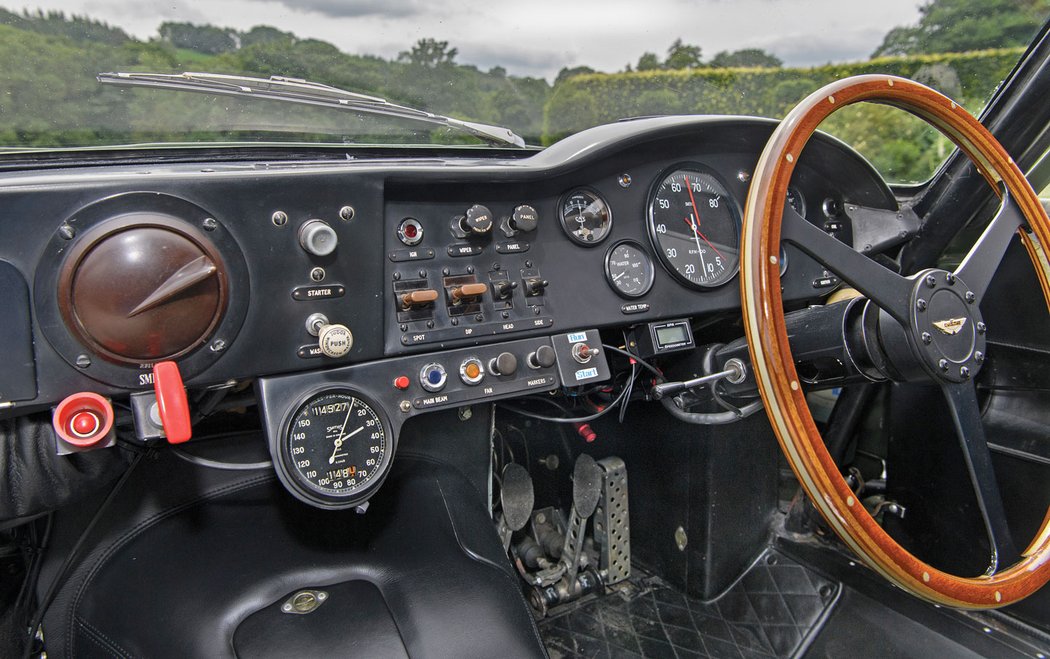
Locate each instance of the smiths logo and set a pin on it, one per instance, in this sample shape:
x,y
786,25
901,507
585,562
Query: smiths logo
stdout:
x,y
951,326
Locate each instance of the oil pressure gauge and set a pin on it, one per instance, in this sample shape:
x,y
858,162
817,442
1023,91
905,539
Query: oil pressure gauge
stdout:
x,y
628,269
585,216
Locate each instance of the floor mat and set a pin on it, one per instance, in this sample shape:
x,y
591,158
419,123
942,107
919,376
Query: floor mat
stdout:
x,y
770,612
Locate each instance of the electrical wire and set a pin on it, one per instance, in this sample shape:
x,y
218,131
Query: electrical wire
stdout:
x,y
580,419
225,466
60,575
630,355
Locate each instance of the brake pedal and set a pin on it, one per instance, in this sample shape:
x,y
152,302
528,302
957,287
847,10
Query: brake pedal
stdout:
x,y
612,529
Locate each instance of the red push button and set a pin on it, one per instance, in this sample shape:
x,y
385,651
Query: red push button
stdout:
x,y
172,405
83,420
401,382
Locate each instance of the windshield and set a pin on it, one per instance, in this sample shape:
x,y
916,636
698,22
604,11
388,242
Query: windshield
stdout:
x,y
544,71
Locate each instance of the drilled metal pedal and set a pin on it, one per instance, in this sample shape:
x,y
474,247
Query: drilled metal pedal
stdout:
x,y
612,522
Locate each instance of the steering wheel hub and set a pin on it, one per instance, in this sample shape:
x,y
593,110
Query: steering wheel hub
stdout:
x,y
947,331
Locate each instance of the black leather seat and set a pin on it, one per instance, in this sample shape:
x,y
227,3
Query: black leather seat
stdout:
x,y
193,562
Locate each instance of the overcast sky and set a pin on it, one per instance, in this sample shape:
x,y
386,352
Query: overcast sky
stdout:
x,y
537,37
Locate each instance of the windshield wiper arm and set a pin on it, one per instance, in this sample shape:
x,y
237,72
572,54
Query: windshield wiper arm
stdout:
x,y
296,90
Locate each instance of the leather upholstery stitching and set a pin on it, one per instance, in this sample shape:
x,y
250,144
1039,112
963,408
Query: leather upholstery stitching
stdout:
x,y
135,531
105,642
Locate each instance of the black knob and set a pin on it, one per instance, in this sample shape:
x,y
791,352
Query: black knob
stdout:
x,y
477,221
504,289
504,364
542,358
524,218
535,286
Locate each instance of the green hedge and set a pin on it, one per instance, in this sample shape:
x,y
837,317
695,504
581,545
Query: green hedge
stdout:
x,y
588,100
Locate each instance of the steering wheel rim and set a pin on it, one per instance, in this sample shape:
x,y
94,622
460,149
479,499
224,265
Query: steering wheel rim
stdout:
x,y
775,373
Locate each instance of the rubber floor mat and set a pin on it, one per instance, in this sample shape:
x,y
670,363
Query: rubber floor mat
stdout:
x,y
772,611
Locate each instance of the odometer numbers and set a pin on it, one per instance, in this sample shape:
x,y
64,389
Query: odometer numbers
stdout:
x,y
336,448
695,227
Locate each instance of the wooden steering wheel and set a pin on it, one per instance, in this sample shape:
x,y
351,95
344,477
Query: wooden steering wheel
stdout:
x,y
930,323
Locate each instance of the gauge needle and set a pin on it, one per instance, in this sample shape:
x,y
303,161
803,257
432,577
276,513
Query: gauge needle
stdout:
x,y
339,444
696,223
617,277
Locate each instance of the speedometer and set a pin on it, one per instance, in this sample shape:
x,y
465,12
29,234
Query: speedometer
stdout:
x,y
695,226
336,449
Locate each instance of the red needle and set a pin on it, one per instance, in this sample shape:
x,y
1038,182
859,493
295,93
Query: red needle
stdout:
x,y
696,211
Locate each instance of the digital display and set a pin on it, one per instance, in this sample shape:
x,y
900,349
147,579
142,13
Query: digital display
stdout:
x,y
669,334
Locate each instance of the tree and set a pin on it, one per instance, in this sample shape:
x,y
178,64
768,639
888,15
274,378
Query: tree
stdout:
x,y
567,73
648,62
429,54
207,39
748,58
963,25
264,34
683,56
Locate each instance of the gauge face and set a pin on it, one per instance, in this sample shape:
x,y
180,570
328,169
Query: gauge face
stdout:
x,y
337,448
695,227
585,217
628,269
796,201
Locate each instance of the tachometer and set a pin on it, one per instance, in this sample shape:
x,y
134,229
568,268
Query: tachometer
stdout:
x,y
695,226
336,449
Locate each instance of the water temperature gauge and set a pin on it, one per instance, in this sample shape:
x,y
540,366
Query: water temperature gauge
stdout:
x,y
628,269
585,216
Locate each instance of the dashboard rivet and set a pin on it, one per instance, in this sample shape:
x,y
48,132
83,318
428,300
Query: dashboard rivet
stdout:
x,y
346,213
927,338
397,276
920,304
422,274
978,357
218,345
279,218
210,224
470,269
931,281
455,322
430,324
970,297
624,180
66,232
528,264
981,328
964,372
83,361
950,278
479,318
535,311
495,266
317,274
506,314
405,406
445,271
943,364
404,327
743,176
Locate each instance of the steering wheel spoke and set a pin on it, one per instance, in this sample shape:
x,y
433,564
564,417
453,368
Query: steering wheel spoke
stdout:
x,y
966,415
981,262
885,288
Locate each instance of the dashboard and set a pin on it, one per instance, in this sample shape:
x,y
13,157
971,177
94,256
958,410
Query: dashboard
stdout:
x,y
391,285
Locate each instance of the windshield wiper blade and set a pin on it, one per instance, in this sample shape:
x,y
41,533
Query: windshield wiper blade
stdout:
x,y
296,90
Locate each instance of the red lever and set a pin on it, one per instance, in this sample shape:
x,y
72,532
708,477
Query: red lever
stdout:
x,y
171,402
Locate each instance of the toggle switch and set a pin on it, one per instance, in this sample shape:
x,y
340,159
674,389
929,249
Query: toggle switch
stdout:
x,y
534,286
418,298
460,293
503,289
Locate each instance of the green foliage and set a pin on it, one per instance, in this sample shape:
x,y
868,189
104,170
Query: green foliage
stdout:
x,y
56,23
683,56
202,38
567,72
429,54
648,62
963,25
746,58
898,146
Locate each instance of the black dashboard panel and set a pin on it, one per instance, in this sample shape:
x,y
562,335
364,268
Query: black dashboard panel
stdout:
x,y
260,208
